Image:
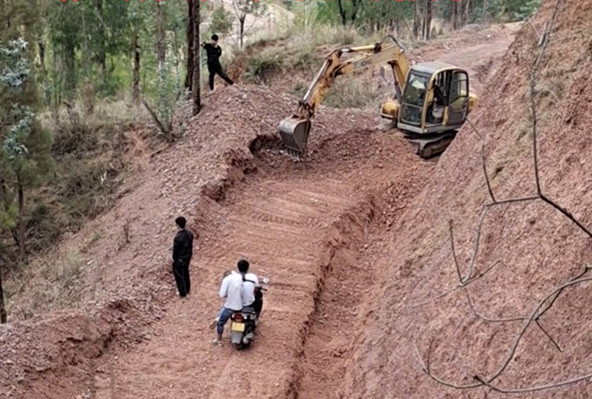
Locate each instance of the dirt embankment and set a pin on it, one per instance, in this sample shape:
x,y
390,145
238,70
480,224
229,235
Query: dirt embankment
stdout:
x,y
533,246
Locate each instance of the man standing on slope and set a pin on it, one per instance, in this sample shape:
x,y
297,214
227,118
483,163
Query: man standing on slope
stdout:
x,y
214,52
182,252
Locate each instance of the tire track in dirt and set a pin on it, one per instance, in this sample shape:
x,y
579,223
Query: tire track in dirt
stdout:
x,y
279,226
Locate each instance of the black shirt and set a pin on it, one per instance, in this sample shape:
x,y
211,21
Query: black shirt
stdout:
x,y
213,53
183,246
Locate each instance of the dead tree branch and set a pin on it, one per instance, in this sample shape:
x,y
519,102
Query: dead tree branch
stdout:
x,y
166,130
453,289
535,388
534,71
508,320
512,351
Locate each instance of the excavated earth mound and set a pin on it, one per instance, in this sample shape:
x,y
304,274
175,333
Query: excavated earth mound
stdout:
x,y
526,249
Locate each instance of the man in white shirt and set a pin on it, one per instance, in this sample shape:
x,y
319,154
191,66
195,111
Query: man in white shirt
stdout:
x,y
238,290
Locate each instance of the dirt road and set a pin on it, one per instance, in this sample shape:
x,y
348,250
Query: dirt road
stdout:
x,y
301,226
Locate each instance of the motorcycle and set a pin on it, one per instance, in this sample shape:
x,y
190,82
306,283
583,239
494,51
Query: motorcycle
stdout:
x,y
244,323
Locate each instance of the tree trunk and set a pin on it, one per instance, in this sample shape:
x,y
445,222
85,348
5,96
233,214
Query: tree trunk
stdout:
x,y
21,222
69,75
3,315
466,12
189,75
416,19
101,56
485,16
41,46
342,12
454,15
241,31
160,40
136,73
428,20
196,87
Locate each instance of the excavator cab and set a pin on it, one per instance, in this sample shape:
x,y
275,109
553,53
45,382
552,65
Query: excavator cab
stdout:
x,y
433,106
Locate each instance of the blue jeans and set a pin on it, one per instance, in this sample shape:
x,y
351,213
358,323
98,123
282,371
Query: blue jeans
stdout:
x,y
223,317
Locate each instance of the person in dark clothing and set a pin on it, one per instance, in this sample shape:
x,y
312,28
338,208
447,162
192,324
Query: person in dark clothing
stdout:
x,y
213,52
182,252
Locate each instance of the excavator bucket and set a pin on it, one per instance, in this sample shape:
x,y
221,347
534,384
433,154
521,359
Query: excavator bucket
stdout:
x,y
294,133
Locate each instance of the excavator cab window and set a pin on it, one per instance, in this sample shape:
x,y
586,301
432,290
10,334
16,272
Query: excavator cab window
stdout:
x,y
415,90
459,92
441,85
414,97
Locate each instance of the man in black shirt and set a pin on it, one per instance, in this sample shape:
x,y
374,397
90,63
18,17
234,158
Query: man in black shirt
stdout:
x,y
214,52
182,252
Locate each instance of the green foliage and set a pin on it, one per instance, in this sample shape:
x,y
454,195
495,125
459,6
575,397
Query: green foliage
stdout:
x,y
221,21
524,9
261,67
24,147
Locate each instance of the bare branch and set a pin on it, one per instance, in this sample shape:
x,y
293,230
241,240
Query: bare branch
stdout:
x,y
567,214
535,388
488,319
548,336
508,320
512,351
162,128
483,162
533,74
454,252
453,289
512,200
428,372
532,317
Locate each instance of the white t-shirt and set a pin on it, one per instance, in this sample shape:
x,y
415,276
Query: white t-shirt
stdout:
x,y
231,289
249,288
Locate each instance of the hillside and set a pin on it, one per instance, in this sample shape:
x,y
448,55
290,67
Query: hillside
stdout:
x,y
356,241
537,248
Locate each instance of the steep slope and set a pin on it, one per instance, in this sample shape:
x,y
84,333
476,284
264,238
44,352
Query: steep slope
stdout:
x,y
537,248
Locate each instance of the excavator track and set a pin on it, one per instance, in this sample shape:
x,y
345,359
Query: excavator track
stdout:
x,y
432,145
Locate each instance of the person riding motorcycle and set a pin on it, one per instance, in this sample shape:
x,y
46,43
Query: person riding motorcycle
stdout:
x,y
239,290
252,296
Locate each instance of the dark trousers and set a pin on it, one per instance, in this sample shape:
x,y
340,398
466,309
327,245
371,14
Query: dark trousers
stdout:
x,y
258,306
181,272
216,68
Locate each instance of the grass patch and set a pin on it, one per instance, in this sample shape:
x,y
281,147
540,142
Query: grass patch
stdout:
x,y
44,286
352,92
263,66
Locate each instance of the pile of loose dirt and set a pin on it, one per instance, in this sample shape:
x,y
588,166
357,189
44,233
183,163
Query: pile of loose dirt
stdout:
x,y
533,246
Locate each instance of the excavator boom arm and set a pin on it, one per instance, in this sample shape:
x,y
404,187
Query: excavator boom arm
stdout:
x,y
294,130
369,57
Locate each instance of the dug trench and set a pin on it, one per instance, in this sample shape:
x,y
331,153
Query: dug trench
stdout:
x,y
309,227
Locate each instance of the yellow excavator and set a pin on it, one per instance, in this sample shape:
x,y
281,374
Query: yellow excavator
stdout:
x,y
431,103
